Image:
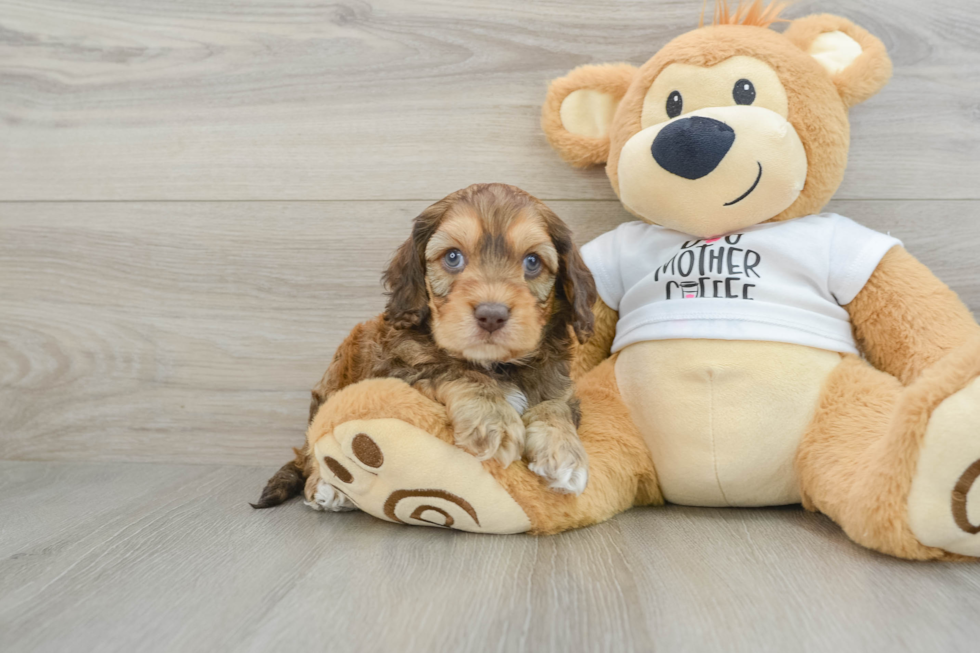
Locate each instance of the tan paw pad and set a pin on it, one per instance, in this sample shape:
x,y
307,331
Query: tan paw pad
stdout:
x,y
399,473
944,500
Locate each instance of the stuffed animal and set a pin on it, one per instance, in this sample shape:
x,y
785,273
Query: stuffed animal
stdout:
x,y
748,350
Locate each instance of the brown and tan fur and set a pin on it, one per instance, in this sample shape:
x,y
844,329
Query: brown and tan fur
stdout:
x,y
429,338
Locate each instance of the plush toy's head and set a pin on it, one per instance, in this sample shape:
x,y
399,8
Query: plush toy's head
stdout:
x,y
727,126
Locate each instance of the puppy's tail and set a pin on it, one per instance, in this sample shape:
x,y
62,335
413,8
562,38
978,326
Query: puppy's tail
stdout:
x,y
285,484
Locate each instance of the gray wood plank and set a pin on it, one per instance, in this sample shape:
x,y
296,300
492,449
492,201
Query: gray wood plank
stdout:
x,y
192,332
387,99
64,497
177,567
179,562
781,580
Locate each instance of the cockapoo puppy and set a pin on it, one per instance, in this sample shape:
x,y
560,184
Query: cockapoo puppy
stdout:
x,y
484,298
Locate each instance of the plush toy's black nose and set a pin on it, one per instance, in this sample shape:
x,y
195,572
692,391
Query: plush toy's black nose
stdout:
x,y
692,147
491,316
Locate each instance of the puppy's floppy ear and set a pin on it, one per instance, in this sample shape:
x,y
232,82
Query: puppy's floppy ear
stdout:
x,y
405,277
575,284
856,60
579,110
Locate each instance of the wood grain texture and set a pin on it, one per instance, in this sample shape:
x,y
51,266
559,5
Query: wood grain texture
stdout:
x,y
127,557
137,336
389,99
192,332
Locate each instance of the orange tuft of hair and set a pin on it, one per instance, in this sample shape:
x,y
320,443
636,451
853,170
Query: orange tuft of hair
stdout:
x,y
755,13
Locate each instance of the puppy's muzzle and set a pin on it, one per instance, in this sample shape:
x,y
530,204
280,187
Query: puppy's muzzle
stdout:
x,y
491,316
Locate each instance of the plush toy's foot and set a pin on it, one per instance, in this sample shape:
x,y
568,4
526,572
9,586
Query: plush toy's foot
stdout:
x,y
397,472
896,466
944,500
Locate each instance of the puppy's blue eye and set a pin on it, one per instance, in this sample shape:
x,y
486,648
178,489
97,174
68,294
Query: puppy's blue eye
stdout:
x,y
532,265
453,260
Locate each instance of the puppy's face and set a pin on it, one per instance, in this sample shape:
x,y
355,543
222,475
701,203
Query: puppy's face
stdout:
x,y
488,269
490,276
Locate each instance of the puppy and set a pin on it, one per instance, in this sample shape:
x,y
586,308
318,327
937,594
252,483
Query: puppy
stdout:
x,y
483,299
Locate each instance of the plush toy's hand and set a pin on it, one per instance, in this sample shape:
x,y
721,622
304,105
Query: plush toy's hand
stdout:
x,y
488,428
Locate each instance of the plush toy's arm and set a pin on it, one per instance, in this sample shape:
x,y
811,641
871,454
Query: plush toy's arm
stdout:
x,y
597,348
905,318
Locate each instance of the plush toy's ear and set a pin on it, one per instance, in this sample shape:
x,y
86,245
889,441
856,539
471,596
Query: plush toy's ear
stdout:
x,y
579,109
854,59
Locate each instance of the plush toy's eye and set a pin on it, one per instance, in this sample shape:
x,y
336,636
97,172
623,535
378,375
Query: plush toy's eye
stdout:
x,y
532,266
674,104
744,92
454,260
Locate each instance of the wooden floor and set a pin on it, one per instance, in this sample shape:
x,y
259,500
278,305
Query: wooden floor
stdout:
x,y
127,557
196,202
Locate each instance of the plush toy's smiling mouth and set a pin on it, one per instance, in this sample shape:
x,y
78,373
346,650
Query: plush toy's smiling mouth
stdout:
x,y
749,191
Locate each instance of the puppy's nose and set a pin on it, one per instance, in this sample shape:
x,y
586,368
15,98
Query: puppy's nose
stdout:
x,y
491,316
692,147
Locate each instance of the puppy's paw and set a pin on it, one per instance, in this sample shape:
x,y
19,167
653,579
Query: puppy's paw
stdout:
x,y
489,430
555,453
327,499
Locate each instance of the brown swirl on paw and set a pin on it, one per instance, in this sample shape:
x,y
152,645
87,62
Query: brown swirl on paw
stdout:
x,y
398,495
421,510
960,492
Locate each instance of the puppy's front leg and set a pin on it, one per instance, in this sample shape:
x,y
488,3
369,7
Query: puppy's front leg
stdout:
x,y
553,448
485,424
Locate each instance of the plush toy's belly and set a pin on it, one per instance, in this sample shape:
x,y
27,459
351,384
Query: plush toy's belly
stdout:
x,y
723,419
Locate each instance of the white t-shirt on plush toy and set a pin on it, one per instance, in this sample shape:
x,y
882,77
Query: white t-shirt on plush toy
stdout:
x,y
779,281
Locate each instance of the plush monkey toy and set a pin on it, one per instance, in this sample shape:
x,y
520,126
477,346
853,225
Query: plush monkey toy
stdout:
x,y
749,351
